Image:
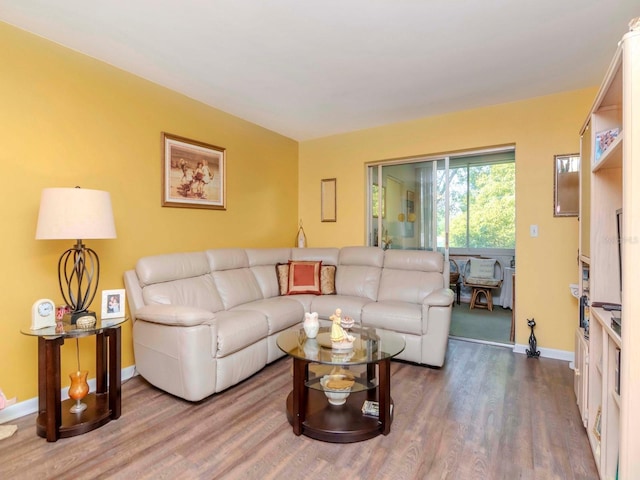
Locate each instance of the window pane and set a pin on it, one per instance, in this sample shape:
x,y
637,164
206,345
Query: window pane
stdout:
x,y
482,206
458,207
492,206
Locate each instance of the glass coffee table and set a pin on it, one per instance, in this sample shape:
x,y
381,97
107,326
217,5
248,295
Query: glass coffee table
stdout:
x,y
367,363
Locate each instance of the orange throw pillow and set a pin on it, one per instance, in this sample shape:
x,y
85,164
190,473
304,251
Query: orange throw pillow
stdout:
x,y
304,277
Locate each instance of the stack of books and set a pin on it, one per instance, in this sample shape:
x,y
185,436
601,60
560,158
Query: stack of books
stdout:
x,y
372,409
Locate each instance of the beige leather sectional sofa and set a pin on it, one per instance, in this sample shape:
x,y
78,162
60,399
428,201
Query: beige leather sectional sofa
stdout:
x,y
204,321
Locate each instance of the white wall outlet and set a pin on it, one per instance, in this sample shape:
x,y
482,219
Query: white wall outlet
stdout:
x,y
533,230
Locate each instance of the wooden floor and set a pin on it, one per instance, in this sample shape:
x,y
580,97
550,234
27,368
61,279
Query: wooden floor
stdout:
x,y
488,414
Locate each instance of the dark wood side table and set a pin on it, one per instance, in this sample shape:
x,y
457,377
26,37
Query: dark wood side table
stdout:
x,y
54,419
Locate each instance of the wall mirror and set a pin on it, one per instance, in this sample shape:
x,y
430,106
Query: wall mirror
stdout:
x,y
566,185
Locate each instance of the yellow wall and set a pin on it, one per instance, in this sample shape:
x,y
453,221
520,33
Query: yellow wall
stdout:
x,y
68,120
540,128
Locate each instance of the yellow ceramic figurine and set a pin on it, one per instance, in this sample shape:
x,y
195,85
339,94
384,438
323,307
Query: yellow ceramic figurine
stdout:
x,y
339,338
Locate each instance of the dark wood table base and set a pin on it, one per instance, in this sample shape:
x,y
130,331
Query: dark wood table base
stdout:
x,y
54,420
337,423
311,414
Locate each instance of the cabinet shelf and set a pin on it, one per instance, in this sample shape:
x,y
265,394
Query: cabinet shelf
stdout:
x,y
611,157
604,318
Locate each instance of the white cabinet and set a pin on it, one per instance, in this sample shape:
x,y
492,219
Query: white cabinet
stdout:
x,y
610,151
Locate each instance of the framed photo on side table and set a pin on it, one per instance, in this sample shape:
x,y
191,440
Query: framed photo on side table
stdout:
x,y
112,303
193,174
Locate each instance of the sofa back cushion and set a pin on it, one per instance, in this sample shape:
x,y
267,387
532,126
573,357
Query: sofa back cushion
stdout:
x,y
227,259
328,256
190,292
410,275
237,287
172,266
262,262
178,279
358,272
232,276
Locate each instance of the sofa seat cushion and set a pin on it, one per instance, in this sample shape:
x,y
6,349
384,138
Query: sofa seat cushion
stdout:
x,y
351,306
280,312
393,315
238,330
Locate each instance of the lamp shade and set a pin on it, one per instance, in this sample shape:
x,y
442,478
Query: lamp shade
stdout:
x,y
75,213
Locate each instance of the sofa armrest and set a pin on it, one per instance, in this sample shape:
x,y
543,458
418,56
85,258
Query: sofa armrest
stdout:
x,y
176,315
442,297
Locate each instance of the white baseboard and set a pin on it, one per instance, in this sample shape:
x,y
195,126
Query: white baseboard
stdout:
x,y
30,406
547,352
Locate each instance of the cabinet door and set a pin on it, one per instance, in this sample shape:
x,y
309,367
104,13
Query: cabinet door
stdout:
x,y
581,374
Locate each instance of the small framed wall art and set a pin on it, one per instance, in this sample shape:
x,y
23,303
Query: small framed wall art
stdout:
x,y
566,185
193,174
328,200
112,303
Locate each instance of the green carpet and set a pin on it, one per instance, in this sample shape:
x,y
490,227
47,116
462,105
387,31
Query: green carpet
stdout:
x,y
481,324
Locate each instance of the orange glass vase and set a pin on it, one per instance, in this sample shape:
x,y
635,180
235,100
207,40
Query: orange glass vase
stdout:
x,y
78,390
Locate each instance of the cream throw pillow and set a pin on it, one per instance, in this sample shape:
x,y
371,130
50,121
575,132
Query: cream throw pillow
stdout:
x,y
482,268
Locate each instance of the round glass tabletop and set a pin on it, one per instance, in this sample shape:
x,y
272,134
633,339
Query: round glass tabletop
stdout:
x,y
69,330
370,346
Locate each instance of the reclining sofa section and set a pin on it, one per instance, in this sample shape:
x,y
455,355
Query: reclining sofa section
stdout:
x,y
204,321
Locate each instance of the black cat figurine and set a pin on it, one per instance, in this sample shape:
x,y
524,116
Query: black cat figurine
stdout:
x,y
533,343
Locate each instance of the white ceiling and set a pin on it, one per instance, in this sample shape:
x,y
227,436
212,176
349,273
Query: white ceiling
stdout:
x,y
310,69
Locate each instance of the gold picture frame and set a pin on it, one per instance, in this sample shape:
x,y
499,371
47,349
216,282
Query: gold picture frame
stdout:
x,y
328,202
566,185
193,174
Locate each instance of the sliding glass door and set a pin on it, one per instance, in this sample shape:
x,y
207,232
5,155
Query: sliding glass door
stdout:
x,y
463,202
408,205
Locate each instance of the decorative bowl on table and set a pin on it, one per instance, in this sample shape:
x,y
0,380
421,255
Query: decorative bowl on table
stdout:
x,y
336,388
347,322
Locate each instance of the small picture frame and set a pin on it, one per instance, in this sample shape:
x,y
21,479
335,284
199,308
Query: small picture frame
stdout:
x,y
604,139
113,303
